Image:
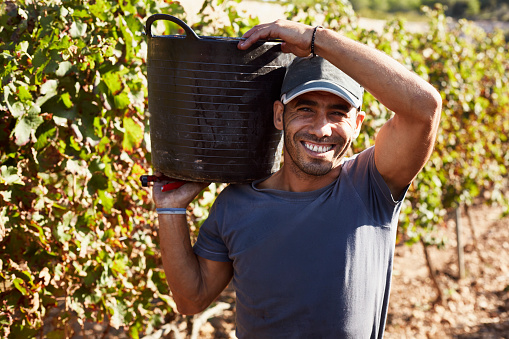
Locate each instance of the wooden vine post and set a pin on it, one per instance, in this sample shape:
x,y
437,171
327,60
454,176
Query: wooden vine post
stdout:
x,y
431,270
459,239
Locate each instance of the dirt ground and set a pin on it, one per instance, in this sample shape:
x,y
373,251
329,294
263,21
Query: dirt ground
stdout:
x,y
476,306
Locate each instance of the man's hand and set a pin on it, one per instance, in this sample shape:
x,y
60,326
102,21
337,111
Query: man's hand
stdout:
x,y
297,37
177,198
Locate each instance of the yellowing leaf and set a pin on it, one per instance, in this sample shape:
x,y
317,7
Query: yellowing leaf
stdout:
x,y
66,99
18,283
133,134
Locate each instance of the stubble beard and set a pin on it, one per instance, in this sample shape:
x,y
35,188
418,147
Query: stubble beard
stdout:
x,y
315,167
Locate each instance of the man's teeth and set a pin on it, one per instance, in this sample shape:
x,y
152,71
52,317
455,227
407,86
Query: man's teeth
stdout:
x,y
317,148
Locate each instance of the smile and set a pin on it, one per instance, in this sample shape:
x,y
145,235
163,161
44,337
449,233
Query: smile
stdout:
x,y
317,148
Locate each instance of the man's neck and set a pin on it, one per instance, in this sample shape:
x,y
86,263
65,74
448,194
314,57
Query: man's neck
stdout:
x,y
289,179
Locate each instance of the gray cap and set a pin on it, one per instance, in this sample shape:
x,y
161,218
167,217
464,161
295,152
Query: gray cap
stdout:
x,y
317,74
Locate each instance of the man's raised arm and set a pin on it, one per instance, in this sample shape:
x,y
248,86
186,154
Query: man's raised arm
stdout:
x,y
405,142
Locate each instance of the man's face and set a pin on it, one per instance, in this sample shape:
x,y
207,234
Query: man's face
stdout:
x,y
318,130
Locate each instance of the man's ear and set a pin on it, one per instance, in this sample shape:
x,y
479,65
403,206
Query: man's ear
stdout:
x,y
279,109
358,123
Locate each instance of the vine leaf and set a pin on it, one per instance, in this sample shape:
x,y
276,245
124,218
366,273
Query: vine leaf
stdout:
x,y
26,124
133,134
10,175
78,29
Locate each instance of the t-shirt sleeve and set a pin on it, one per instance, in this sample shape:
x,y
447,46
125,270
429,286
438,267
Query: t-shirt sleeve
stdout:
x,y
380,182
363,170
372,188
209,244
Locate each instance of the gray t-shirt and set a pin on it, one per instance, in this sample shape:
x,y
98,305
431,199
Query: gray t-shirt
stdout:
x,y
308,264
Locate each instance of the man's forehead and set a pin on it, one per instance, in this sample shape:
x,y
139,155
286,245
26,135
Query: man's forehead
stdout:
x,y
321,98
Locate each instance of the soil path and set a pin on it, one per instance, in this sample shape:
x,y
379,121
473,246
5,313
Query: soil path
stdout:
x,y
474,307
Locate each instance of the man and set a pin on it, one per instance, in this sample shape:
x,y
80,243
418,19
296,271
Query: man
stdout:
x,y
310,248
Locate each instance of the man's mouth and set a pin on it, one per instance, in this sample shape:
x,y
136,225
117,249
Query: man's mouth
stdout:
x,y
317,148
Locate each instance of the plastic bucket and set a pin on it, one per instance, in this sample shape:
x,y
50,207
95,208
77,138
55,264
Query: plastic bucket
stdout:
x,y
211,105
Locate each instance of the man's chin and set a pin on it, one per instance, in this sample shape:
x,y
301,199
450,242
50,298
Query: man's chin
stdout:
x,y
316,170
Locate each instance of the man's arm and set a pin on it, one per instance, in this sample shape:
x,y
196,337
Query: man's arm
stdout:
x,y
405,142
194,281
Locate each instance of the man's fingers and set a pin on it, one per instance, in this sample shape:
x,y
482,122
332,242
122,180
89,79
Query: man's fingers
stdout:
x,y
194,187
178,197
296,37
259,32
245,44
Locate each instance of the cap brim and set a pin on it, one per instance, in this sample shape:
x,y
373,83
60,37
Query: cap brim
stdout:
x,y
321,85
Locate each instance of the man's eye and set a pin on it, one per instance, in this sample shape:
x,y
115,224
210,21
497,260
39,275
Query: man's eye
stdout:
x,y
340,114
305,109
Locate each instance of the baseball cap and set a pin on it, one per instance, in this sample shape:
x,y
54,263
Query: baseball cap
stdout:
x,y
317,74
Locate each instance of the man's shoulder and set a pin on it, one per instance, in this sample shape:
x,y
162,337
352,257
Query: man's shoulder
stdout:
x,y
361,158
232,191
237,188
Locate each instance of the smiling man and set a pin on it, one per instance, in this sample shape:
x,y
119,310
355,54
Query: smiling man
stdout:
x,y
320,115
310,248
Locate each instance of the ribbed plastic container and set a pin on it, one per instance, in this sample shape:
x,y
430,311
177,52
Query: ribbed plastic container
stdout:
x,y
211,106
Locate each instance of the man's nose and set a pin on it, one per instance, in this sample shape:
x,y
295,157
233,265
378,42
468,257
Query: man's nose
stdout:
x,y
321,127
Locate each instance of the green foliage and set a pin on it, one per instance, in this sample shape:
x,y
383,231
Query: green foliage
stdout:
x,y
473,9
386,5
75,224
76,227
337,15
236,25
462,8
468,67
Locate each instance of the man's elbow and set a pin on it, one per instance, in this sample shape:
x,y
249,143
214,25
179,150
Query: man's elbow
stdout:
x,y
187,307
435,104
189,310
430,106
